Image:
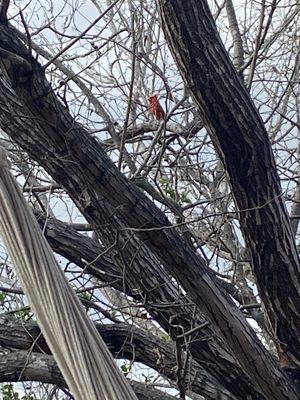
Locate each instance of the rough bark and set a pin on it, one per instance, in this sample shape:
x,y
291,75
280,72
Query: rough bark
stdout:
x,y
146,392
161,298
125,342
22,366
242,143
39,123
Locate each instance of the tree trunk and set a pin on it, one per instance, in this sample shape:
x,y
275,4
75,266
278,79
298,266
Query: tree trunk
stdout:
x,y
242,143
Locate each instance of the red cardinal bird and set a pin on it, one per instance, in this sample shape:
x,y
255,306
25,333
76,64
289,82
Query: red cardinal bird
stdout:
x,y
156,108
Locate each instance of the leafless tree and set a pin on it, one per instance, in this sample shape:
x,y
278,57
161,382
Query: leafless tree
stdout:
x,y
178,234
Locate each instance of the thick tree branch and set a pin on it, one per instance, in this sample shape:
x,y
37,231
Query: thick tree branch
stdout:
x,y
22,366
242,143
125,342
159,295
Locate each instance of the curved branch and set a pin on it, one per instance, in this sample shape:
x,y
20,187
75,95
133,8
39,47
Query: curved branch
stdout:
x,y
123,341
21,366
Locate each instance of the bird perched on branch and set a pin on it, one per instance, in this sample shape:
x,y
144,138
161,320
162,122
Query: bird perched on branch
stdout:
x,y
155,107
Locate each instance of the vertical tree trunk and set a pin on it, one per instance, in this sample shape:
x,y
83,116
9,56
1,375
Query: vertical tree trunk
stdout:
x,y
241,141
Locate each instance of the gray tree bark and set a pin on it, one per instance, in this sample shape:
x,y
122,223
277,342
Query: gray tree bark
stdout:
x,y
164,301
241,140
123,341
22,366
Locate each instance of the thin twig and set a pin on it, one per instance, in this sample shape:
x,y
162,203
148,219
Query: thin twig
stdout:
x,y
80,36
27,32
233,214
123,138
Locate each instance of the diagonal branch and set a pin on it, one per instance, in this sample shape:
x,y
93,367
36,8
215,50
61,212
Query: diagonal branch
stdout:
x,y
159,295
